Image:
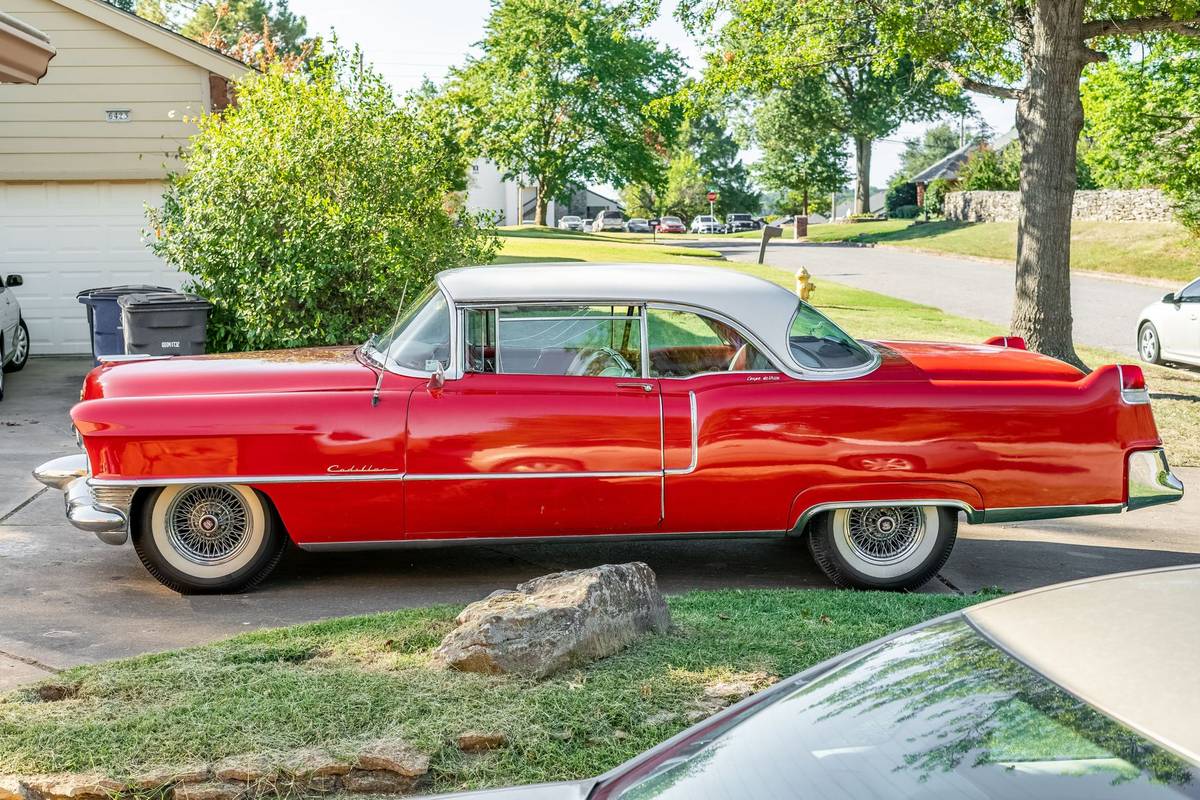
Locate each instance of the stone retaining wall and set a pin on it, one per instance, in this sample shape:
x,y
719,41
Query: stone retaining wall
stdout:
x,y
1105,205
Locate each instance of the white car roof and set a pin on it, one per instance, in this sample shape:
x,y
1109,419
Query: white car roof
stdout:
x,y
763,308
1127,644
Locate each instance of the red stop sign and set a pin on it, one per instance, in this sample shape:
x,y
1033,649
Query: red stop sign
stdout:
x,y
712,197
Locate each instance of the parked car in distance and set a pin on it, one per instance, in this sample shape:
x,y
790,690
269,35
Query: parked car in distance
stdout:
x,y
736,223
587,223
596,400
707,224
609,222
1026,696
14,333
638,225
570,223
1169,330
671,225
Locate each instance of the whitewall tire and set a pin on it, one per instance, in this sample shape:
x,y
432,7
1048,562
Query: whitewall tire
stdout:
x,y
207,538
883,547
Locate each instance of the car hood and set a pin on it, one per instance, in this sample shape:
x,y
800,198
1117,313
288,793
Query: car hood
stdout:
x,y
969,362
301,370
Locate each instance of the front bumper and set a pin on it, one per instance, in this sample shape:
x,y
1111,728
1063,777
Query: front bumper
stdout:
x,y
1150,481
108,520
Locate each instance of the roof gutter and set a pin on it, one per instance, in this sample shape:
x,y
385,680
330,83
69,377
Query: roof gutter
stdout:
x,y
25,52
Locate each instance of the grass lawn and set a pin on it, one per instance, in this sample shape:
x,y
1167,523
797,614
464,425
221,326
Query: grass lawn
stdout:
x,y
338,682
1158,250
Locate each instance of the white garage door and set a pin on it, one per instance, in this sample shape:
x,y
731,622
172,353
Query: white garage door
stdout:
x,y
63,237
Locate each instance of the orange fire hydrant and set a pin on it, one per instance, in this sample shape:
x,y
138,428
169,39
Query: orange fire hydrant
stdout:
x,y
804,285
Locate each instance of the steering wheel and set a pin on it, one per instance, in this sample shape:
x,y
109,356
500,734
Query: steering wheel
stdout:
x,y
591,362
740,360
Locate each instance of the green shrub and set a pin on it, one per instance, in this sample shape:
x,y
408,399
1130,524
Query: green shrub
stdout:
x,y
991,170
309,206
899,194
906,212
935,196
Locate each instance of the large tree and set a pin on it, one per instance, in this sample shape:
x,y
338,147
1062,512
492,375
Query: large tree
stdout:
x,y
761,45
560,95
1031,51
708,136
798,160
251,30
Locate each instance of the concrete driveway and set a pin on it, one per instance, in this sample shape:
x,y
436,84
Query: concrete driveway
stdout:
x,y
67,599
1105,310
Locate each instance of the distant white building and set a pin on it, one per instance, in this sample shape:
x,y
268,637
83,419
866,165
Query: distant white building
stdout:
x,y
513,202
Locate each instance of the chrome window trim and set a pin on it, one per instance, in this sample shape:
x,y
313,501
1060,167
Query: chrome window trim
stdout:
x,y
248,479
695,461
874,361
483,476
737,326
454,370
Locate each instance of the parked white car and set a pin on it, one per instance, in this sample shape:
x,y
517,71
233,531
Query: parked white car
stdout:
x,y
14,335
707,224
571,223
1169,330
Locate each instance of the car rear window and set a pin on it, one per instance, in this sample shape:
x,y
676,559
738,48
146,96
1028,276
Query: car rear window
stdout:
x,y
817,343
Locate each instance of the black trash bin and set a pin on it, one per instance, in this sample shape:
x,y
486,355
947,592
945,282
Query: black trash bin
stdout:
x,y
104,317
164,323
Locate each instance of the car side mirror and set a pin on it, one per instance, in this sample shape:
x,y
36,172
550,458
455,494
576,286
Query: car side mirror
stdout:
x,y
14,280
1169,297
438,379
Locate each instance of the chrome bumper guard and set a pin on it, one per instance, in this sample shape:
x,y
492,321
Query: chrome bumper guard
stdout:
x,y
69,474
1151,481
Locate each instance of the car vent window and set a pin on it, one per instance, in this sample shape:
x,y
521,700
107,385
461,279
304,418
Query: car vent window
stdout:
x,y
597,341
684,343
817,343
420,339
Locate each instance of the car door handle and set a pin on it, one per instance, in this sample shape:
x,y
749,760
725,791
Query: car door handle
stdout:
x,y
645,387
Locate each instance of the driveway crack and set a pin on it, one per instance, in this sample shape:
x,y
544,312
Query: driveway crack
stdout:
x,y
33,662
24,503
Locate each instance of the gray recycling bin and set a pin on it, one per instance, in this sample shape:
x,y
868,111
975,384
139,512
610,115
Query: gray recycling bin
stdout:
x,y
164,323
104,317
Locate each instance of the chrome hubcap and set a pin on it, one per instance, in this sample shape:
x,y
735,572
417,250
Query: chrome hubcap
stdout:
x,y
208,524
885,535
21,348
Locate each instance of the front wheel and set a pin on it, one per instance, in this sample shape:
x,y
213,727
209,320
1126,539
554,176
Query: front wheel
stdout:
x,y
883,547
1148,345
20,356
208,538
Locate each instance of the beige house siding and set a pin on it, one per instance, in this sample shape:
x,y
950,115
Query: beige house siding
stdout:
x,y
57,130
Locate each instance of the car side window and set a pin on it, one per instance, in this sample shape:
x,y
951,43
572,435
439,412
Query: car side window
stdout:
x,y
684,343
1190,293
600,341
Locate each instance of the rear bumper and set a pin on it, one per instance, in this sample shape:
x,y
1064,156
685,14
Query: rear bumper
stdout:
x,y
70,475
1150,481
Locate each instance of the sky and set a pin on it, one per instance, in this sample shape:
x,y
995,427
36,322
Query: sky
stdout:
x,y
407,40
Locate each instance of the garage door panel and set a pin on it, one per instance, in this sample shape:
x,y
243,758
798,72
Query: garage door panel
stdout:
x,y
65,237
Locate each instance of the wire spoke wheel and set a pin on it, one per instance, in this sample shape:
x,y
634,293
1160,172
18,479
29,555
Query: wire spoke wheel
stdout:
x,y
884,535
208,525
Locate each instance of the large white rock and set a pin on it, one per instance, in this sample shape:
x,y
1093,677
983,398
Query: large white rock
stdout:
x,y
556,621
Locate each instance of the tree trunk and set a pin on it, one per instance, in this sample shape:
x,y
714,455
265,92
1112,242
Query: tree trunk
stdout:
x,y
540,204
806,201
1049,120
862,161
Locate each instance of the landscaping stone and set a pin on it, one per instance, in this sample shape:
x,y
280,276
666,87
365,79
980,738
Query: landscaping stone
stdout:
x,y
392,755
247,768
78,787
556,621
1108,205
212,790
312,762
11,788
168,776
377,781
476,742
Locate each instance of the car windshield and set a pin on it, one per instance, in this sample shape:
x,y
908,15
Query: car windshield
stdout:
x,y
816,342
671,221
704,219
420,339
939,712
739,217
570,219
637,220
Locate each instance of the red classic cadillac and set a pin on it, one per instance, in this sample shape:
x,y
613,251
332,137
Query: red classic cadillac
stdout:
x,y
560,400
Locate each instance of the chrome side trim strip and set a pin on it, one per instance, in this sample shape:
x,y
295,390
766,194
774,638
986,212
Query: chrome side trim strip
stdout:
x,y
248,479
822,507
498,540
974,516
695,462
484,476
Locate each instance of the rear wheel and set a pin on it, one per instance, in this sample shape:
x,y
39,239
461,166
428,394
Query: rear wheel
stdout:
x,y
1149,347
208,538
20,349
883,547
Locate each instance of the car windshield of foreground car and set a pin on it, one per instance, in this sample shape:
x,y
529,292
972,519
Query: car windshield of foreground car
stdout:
x,y
939,712
420,339
672,221
818,343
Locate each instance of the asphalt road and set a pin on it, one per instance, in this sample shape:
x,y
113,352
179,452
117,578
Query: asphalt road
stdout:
x,y
1105,310
66,598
